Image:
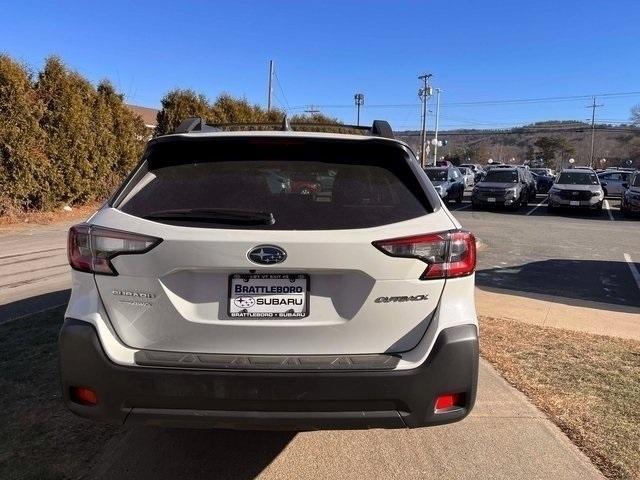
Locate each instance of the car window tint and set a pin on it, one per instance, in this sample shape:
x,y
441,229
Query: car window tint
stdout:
x,y
502,176
578,178
347,189
437,174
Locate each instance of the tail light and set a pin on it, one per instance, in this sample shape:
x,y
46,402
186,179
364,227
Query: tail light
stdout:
x,y
447,254
84,396
91,249
450,401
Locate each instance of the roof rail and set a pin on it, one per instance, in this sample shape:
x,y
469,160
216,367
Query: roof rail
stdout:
x,y
194,124
379,128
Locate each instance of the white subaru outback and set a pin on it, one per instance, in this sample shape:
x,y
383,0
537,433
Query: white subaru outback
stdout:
x,y
272,280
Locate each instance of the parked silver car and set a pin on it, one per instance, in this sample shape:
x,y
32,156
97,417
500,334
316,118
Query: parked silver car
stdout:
x,y
612,182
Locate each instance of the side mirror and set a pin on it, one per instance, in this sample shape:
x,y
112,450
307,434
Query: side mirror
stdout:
x,y
604,184
625,185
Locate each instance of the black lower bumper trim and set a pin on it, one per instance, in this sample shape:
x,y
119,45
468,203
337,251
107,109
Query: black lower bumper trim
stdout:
x,y
210,361
270,399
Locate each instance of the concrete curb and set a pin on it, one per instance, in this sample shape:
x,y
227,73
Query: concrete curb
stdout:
x,y
550,311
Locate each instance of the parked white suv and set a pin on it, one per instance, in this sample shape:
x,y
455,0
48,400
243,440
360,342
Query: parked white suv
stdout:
x,y
207,294
577,187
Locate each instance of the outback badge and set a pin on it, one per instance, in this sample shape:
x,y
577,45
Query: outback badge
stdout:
x,y
402,298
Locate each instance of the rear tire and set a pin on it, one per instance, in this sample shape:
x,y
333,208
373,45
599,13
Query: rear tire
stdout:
x,y
475,205
516,206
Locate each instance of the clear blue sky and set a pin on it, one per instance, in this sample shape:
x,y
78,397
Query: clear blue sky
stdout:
x,y
325,51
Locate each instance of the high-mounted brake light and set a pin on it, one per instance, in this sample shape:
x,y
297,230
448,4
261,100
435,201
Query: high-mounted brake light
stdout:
x,y
447,254
91,249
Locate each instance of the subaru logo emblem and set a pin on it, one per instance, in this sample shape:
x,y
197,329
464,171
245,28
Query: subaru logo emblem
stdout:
x,y
267,255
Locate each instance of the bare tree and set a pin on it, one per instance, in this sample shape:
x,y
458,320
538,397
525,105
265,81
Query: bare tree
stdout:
x,y
635,115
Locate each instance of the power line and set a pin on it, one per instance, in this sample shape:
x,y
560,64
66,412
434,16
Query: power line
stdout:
x,y
492,102
521,130
279,83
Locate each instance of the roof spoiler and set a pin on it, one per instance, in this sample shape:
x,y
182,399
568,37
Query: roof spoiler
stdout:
x,y
379,128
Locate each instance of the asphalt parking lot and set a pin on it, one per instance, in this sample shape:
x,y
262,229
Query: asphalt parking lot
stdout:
x,y
573,255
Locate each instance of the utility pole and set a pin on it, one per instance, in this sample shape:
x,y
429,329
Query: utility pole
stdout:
x,y
270,85
435,144
424,93
359,99
593,107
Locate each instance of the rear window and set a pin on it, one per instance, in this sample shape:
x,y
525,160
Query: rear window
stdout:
x,y
577,178
437,174
276,185
501,176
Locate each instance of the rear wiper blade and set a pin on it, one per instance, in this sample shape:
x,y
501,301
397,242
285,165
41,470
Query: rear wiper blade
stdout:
x,y
229,216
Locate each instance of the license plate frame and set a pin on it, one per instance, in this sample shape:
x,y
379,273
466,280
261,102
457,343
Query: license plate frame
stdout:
x,y
574,203
491,199
268,315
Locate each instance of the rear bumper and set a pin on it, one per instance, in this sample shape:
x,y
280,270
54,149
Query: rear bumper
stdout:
x,y
556,201
499,201
274,400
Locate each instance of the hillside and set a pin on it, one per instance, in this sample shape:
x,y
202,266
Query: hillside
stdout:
x,y
618,144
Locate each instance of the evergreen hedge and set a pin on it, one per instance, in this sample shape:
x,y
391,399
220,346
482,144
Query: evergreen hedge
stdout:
x,y
64,141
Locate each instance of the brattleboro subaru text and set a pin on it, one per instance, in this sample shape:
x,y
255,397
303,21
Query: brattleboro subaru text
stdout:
x,y
209,292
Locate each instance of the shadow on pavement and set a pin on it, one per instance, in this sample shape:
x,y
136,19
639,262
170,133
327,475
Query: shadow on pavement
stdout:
x,y
572,280
34,304
153,453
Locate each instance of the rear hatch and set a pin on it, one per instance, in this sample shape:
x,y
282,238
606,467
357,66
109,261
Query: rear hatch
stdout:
x,y
248,264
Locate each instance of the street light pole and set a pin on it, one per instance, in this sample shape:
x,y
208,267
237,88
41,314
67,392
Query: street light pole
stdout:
x,y
424,93
359,99
435,146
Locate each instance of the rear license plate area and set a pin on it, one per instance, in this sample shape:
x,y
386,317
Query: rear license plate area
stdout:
x,y
268,296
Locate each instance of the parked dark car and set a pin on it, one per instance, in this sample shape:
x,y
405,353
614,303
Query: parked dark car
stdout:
x,y
543,182
631,197
503,186
448,181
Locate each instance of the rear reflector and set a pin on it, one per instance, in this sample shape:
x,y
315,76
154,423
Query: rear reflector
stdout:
x,y
449,401
91,249
83,396
447,254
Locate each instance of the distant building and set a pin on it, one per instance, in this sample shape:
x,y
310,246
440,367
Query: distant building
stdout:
x,y
147,114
